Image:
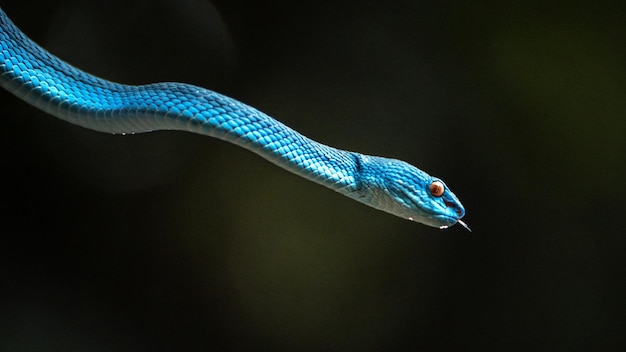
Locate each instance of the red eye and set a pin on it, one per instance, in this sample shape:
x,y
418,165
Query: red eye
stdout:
x,y
437,188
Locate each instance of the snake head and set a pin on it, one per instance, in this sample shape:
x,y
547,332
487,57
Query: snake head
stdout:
x,y
404,190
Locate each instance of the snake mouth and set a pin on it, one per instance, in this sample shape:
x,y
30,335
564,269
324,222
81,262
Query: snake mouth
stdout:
x,y
460,212
451,220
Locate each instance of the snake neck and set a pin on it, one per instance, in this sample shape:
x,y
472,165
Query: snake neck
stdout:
x,y
56,87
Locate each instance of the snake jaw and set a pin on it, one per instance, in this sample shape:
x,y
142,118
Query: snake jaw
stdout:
x,y
418,206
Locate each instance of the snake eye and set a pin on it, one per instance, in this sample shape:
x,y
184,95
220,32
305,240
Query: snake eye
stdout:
x,y
437,188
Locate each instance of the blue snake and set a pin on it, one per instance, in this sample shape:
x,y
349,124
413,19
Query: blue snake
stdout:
x,y
52,85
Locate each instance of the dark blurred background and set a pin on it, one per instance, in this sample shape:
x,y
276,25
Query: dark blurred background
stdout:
x,y
170,241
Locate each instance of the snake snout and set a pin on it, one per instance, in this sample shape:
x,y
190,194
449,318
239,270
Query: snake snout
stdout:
x,y
460,212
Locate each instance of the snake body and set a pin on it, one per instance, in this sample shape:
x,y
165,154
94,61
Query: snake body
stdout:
x,y
54,86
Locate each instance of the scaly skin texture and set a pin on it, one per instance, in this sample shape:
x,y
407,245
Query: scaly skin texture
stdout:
x,y
50,84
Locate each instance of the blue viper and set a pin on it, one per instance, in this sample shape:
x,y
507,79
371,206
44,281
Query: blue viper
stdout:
x,y
52,85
